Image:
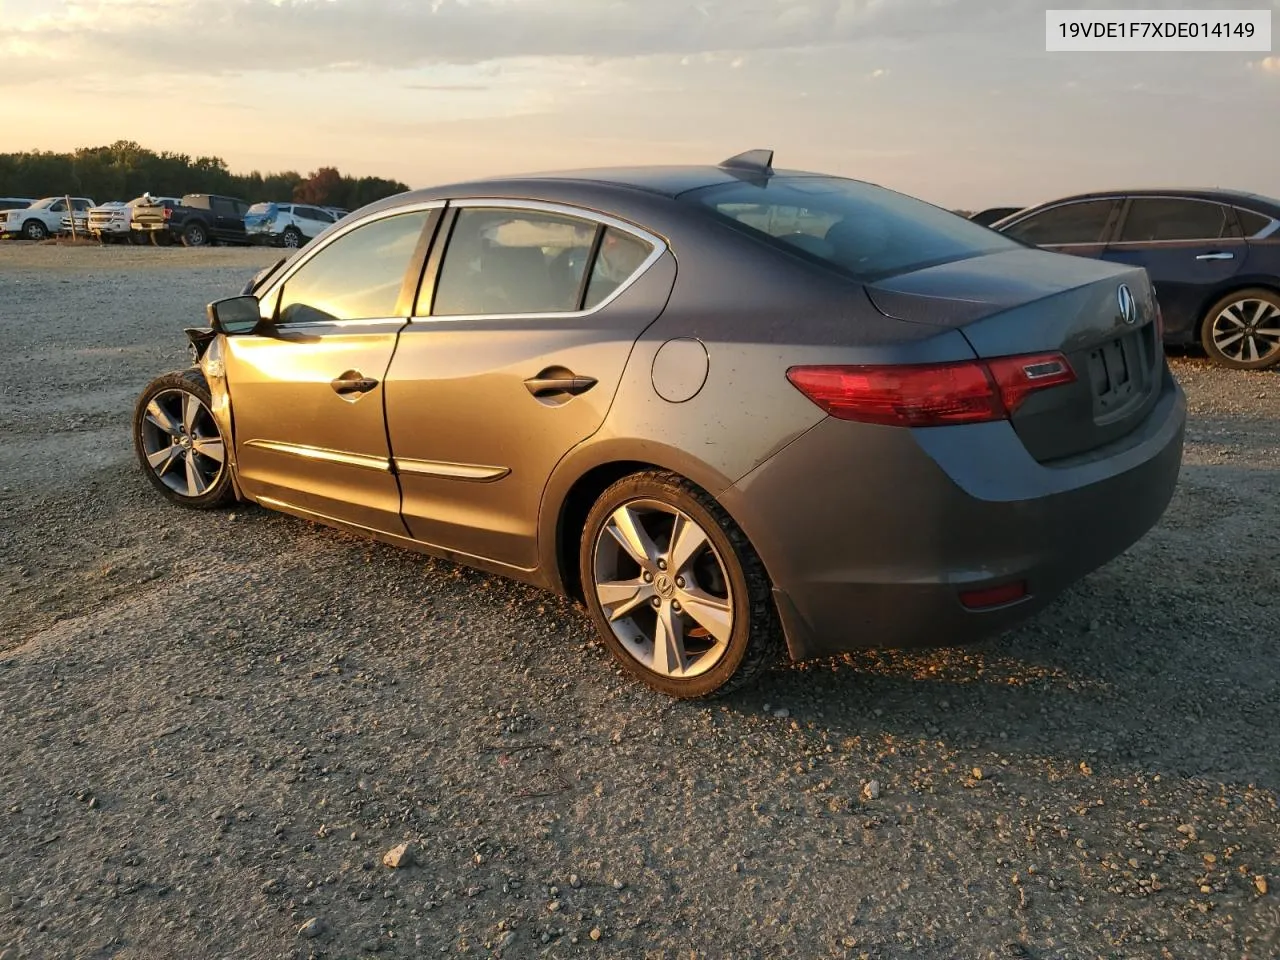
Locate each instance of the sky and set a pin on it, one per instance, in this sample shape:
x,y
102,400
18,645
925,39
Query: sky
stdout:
x,y
954,101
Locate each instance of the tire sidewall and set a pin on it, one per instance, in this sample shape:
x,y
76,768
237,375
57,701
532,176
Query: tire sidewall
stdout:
x,y
1206,330
35,231
190,381
195,235
650,487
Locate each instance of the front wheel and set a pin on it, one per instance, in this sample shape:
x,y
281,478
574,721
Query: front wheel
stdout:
x,y
178,443
676,590
35,230
1242,330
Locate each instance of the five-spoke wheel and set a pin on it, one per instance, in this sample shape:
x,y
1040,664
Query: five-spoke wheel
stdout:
x,y
178,442
679,595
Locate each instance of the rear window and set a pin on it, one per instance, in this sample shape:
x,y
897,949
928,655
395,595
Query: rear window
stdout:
x,y
261,208
866,231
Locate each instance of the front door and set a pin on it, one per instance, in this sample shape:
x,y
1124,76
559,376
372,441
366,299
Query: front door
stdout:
x,y
307,394
514,362
1190,248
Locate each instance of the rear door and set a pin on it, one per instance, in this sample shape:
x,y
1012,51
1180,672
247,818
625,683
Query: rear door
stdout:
x,y
1190,248
524,325
307,394
1078,227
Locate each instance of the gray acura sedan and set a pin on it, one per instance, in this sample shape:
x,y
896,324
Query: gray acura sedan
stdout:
x,y
734,410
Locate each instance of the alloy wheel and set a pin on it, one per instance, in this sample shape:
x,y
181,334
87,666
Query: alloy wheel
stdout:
x,y
1248,330
663,588
181,443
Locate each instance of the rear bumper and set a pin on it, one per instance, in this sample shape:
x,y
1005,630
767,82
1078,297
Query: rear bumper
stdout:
x,y
870,533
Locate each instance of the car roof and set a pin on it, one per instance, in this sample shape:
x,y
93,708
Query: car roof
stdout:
x,y
1237,197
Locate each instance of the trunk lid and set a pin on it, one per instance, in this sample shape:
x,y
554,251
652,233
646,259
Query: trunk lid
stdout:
x,y
1032,301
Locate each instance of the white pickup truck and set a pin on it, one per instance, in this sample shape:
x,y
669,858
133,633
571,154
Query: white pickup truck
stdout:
x,y
43,218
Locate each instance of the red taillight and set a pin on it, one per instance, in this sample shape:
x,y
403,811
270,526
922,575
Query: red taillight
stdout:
x,y
167,213
994,596
931,395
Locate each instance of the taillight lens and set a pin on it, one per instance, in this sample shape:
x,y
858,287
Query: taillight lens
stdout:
x,y
167,213
931,395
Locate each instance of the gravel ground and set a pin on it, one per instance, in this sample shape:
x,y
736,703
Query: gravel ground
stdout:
x,y
213,727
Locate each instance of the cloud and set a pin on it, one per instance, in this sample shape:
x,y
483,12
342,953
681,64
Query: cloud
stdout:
x,y
160,36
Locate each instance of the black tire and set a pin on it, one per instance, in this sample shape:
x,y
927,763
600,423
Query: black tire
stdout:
x,y
220,491
1212,330
292,238
195,235
35,230
755,641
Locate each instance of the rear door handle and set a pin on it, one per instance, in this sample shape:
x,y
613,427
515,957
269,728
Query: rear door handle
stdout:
x,y
352,382
1216,256
547,386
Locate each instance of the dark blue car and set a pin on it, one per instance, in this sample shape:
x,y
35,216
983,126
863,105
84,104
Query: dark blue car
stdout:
x,y
1213,255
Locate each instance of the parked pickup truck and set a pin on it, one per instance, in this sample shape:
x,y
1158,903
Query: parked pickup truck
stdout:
x,y
114,221
42,219
198,219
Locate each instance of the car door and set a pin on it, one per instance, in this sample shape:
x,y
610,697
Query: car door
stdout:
x,y
1190,248
1077,227
512,358
307,389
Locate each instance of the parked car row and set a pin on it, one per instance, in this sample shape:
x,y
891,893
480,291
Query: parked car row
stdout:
x,y
1212,255
193,220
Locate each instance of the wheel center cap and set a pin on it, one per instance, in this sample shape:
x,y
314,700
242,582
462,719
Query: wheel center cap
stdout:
x,y
665,588
184,441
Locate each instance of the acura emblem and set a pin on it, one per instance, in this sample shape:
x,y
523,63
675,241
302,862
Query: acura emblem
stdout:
x,y
1128,306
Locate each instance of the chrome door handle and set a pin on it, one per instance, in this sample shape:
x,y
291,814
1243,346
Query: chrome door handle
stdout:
x,y
1216,256
546,386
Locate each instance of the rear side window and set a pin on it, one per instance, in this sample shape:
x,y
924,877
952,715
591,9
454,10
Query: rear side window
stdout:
x,y
621,254
1252,223
1084,222
861,229
1160,218
356,277
510,261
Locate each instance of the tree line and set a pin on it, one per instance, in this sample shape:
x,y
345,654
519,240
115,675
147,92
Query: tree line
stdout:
x,y
125,170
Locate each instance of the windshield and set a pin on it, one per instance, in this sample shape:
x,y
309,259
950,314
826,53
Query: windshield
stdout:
x,y
866,231
45,203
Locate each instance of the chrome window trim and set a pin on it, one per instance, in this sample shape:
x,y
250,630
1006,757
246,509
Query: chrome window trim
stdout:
x,y
322,242
563,209
1273,224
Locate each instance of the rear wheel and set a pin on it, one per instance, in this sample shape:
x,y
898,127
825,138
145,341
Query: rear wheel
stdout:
x,y
291,238
677,592
35,230
1242,330
178,443
195,235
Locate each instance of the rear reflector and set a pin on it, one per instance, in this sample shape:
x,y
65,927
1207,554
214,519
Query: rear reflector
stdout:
x,y
931,395
993,596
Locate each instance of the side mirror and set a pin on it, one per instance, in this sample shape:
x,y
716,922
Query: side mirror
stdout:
x,y
235,315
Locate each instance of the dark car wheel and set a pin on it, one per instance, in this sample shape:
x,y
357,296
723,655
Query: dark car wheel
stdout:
x,y
35,230
676,590
292,238
1242,330
195,235
178,443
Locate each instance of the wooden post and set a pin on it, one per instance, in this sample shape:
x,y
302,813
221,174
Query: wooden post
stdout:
x,y
72,214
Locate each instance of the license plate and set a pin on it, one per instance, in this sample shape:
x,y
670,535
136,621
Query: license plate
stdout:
x,y
1113,380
